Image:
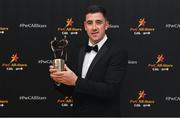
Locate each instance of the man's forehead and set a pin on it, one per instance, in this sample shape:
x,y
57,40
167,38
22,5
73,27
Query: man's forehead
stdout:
x,y
97,15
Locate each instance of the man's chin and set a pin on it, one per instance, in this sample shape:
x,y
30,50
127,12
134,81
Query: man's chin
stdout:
x,y
95,38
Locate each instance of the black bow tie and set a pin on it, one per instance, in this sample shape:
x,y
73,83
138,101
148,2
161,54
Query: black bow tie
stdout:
x,y
89,48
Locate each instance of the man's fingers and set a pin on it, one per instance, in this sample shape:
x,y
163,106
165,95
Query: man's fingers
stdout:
x,y
51,67
66,68
56,75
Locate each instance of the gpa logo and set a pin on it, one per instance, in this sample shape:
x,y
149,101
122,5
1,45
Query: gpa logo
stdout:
x,y
160,64
14,64
67,101
141,100
112,26
69,29
132,62
142,28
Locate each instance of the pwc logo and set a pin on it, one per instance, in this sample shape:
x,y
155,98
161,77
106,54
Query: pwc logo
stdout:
x,y
160,64
67,101
69,29
142,28
141,100
14,64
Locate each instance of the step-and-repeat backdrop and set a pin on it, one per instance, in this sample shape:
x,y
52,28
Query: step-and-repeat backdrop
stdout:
x,y
149,30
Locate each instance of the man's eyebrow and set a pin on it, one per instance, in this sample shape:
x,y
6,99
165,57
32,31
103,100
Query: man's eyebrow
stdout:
x,y
89,21
99,20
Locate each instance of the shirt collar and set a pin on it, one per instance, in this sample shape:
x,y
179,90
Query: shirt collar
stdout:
x,y
99,44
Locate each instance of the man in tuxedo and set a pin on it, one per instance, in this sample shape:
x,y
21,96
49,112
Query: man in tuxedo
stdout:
x,y
101,69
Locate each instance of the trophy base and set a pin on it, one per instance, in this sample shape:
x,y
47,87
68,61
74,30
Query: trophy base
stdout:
x,y
59,64
57,84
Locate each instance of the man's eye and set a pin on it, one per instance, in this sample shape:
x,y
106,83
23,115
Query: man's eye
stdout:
x,y
89,22
99,22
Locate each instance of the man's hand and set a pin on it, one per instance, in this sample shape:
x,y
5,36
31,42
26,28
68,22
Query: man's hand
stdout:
x,y
67,77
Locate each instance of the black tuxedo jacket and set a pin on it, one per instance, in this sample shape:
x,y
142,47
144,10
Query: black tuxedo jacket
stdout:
x,y
99,93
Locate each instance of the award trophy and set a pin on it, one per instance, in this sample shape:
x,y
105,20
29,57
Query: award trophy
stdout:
x,y
59,48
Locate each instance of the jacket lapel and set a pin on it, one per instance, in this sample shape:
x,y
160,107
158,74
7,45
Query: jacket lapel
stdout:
x,y
81,59
100,54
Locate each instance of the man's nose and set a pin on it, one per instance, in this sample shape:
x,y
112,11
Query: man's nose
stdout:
x,y
94,26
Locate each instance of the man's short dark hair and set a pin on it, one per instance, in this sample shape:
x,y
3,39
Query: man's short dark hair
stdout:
x,y
95,9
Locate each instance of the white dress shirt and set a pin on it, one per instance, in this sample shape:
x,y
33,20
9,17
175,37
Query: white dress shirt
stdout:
x,y
90,56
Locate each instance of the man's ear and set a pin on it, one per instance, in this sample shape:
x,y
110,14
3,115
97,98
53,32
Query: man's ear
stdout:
x,y
85,25
107,25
